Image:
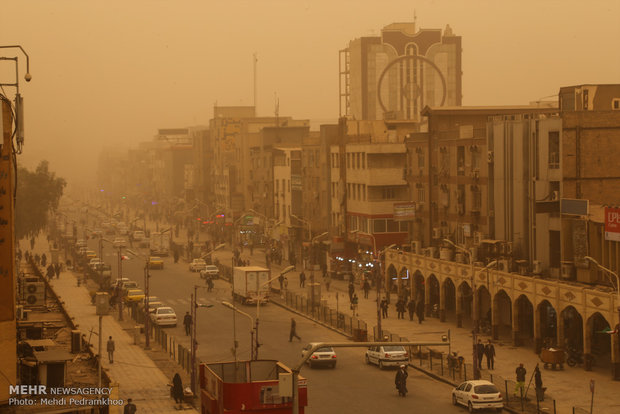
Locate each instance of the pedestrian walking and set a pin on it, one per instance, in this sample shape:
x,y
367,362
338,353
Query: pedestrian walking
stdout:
x,y
285,283
540,391
37,258
354,302
489,352
302,279
479,353
411,308
210,284
328,281
293,333
130,408
384,308
281,281
32,243
187,322
400,308
420,311
57,269
366,288
401,380
50,272
177,389
43,260
520,371
110,348
351,290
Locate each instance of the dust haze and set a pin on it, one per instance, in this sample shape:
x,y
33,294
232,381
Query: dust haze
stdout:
x,y
110,73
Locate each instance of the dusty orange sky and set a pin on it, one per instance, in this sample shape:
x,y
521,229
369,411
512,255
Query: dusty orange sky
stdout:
x,y
113,72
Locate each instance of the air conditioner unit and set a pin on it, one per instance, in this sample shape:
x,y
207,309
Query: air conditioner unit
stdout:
x,y
437,233
567,271
416,247
503,265
537,267
490,157
34,294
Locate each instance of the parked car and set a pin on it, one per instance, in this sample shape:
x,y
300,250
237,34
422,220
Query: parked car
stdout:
x,y
80,243
477,395
210,270
154,303
138,235
134,295
387,355
119,242
90,254
324,356
156,262
197,265
95,263
164,315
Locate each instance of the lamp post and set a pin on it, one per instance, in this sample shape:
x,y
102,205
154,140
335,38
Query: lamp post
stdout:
x,y
616,366
253,355
195,305
282,273
474,330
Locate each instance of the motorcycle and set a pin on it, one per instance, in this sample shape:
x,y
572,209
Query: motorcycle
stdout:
x,y
574,357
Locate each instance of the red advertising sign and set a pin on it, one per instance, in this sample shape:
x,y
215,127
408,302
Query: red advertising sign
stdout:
x,y
612,223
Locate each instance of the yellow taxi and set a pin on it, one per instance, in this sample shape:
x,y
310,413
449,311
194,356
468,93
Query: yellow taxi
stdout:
x,y
134,295
156,262
90,254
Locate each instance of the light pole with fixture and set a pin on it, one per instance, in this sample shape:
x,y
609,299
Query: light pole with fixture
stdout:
x,y
195,305
253,355
282,273
616,365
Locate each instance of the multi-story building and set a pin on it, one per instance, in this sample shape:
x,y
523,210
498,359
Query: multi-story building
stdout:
x,y
397,74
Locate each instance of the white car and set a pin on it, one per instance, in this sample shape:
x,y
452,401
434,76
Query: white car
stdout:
x,y
138,235
322,356
154,303
164,315
119,242
95,263
477,395
387,355
197,265
210,270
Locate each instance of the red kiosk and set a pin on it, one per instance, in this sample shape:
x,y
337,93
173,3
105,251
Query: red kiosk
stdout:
x,y
249,386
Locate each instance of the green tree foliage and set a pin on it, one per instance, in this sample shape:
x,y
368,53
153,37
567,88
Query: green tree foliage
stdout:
x,y
38,193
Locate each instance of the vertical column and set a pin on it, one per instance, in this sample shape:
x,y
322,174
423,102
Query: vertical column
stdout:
x,y
538,340
459,308
587,345
615,355
442,302
494,319
427,297
515,324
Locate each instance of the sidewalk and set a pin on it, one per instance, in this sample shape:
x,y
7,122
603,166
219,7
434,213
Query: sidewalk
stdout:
x,y
570,387
137,375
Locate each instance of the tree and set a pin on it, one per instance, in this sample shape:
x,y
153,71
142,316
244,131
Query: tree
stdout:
x,y
38,193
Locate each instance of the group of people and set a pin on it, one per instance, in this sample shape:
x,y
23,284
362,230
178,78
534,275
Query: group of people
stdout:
x,y
487,350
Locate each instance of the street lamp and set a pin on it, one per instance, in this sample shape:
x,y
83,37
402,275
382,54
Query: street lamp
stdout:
x,y
195,305
282,273
234,308
617,327
474,330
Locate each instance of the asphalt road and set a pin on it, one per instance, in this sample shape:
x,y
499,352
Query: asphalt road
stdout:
x,y
352,387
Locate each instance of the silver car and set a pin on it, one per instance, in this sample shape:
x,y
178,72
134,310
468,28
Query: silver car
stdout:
x,y
324,356
387,355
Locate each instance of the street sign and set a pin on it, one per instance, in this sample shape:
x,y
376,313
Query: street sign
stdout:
x,y
612,223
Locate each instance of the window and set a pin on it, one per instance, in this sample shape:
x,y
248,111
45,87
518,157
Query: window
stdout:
x,y
460,160
283,212
378,226
475,160
348,190
554,149
420,157
421,195
289,185
392,226
364,192
348,160
364,160
476,199
388,193
615,104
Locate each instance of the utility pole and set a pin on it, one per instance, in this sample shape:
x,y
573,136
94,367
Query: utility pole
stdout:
x,y
147,313
193,339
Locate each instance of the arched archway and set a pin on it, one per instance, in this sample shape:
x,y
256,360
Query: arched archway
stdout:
x,y
432,284
483,300
502,316
523,322
464,311
598,342
571,329
448,307
547,335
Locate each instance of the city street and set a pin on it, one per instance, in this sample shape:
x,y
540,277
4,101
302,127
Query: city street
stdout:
x,y
352,386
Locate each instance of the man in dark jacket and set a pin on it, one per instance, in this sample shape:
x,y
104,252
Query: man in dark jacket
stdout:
x,y
130,408
293,333
351,291
411,309
401,380
540,391
479,353
302,279
489,352
520,371
187,322
366,288
400,309
420,311
384,308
